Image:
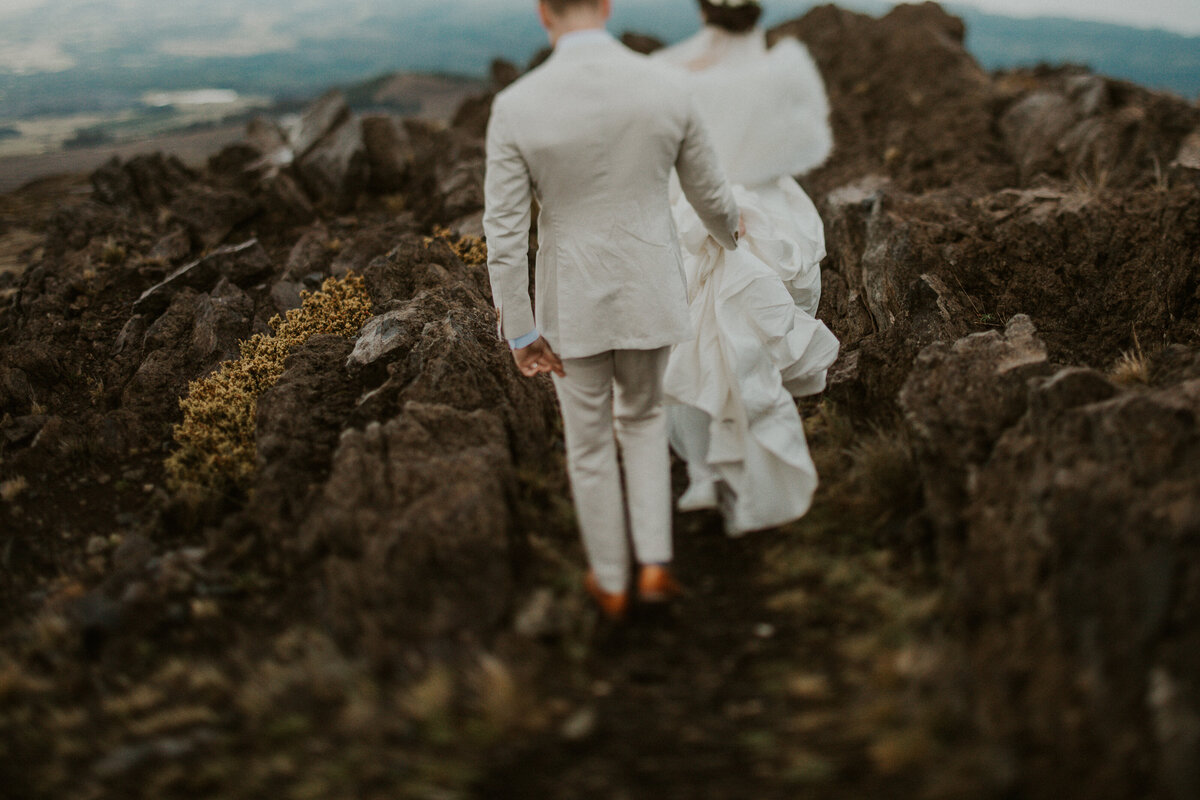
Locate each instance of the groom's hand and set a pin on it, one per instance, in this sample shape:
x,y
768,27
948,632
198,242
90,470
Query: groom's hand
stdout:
x,y
538,358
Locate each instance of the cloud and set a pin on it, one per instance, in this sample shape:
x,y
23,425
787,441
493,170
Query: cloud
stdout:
x,y
11,8
255,34
27,57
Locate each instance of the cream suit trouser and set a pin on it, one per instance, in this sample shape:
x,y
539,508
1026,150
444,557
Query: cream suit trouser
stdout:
x,y
610,400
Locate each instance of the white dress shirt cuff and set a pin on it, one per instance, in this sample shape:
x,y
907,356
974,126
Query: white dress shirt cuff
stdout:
x,y
524,341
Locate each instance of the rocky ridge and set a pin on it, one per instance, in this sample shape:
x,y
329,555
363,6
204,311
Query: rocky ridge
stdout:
x,y
1013,273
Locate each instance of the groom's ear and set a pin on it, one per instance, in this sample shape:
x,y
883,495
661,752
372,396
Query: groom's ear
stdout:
x,y
543,14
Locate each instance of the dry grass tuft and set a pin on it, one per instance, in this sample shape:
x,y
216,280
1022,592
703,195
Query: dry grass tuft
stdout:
x,y
497,693
95,389
396,204
901,750
216,438
113,253
830,433
883,470
1132,367
10,490
1091,184
430,698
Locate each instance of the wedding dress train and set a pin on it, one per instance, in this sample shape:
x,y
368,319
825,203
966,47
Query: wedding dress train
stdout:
x,y
758,344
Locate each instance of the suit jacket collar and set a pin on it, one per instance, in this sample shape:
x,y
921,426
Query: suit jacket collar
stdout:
x,y
584,43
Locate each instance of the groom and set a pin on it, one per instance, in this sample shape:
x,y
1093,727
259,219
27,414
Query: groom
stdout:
x,y
593,135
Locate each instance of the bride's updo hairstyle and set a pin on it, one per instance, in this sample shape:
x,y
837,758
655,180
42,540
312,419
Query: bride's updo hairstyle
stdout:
x,y
732,15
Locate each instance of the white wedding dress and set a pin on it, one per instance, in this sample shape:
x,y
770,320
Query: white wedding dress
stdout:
x,y
731,389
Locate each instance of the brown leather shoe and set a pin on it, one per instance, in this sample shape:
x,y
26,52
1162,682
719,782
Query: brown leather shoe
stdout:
x,y
613,605
656,584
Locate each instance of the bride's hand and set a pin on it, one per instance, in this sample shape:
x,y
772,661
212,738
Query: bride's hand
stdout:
x,y
741,226
538,358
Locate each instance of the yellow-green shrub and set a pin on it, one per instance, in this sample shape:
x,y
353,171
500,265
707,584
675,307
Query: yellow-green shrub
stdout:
x,y
471,249
215,454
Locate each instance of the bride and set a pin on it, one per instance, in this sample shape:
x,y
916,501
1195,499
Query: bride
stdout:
x,y
733,416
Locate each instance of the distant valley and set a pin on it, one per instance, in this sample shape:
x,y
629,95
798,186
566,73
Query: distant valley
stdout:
x,y
193,110
76,143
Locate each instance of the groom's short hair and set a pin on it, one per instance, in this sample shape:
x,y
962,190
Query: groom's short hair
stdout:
x,y
559,6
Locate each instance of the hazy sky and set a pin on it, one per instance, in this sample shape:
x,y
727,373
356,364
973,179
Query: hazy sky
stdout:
x,y
1182,16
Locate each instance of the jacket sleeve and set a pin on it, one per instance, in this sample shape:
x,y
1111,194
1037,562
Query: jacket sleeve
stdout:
x,y
704,183
508,199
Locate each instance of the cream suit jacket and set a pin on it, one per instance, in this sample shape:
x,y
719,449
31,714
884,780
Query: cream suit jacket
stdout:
x,y
593,134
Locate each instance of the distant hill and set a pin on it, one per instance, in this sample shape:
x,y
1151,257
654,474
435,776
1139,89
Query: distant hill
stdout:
x,y
432,96
1152,58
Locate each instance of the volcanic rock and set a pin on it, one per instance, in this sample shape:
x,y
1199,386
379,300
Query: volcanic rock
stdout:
x,y
460,187
71,227
1034,126
285,295
408,519
297,425
413,429
113,185
319,119
447,180
336,170
1076,125
243,264
1068,388
384,334
221,323
233,161
211,214
368,244
390,152
310,253
145,181
268,141
172,247
158,179
16,392
472,115
907,99
1080,529
19,430
196,332
957,401
129,340
285,202
503,73
1189,151
265,135
932,267
641,43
